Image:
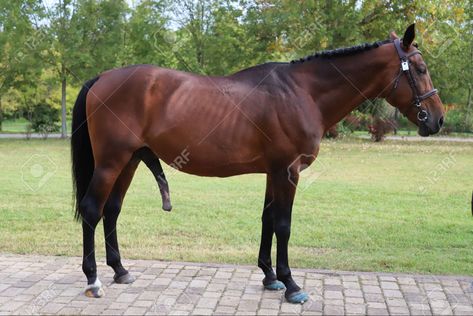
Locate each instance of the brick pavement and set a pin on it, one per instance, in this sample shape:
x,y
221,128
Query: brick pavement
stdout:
x,y
54,285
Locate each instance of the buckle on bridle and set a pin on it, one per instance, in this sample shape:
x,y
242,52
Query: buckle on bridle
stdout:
x,y
405,65
422,115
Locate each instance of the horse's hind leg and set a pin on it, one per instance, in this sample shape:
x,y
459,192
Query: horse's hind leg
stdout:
x,y
153,164
91,206
111,212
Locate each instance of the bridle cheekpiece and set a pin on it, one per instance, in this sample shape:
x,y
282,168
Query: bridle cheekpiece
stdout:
x,y
422,114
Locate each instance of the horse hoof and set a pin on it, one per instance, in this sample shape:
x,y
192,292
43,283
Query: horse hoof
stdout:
x,y
167,207
298,297
124,279
95,292
274,286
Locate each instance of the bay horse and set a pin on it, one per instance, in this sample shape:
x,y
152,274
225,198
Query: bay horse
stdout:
x,y
265,119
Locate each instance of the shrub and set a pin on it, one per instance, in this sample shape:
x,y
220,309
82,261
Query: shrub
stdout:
x,y
332,132
380,127
43,119
458,120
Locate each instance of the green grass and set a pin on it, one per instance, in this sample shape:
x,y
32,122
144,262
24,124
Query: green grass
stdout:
x,y
14,126
413,132
365,210
21,126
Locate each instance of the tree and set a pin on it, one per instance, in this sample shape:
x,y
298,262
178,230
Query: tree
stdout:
x,y
18,66
148,40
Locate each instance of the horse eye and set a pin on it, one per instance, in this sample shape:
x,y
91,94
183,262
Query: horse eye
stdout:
x,y
421,70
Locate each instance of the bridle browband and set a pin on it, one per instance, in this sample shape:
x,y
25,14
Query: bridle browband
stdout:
x,y
422,115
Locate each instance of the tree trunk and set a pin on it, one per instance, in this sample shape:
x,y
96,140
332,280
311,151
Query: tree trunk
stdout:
x,y
63,104
469,101
1,114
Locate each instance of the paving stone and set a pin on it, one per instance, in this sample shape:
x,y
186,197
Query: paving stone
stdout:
x,y
354,300
374,298
373,289
334,310
270,303
396,302
351,285
229,301
202,311
330,287
71,311
263,311
127,298
52,308
11,306
248,306
398,310
226,310
389,285
314,306
333,295
110,312
288,308
333,302
377,311
207,303
355,308
387,278
392,293
140,303
353,293
332,281
135,311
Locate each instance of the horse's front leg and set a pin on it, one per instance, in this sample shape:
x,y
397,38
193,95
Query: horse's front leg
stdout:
x,y
270,280
284,189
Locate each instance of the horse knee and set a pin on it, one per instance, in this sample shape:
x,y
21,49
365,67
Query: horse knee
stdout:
x,y
282,230
112,208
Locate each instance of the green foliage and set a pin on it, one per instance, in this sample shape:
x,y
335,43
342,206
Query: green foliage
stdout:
x,y
458,120
71,41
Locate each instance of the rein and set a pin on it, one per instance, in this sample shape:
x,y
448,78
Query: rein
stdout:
x,y
422,114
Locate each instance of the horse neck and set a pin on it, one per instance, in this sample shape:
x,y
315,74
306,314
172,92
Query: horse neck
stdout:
x,y
338,85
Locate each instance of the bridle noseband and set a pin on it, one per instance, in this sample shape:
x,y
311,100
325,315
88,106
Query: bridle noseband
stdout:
x,y
422,115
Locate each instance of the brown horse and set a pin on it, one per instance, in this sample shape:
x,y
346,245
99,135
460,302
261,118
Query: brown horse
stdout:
x,y
266,119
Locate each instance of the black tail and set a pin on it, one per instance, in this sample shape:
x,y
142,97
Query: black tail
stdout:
x,y
81,150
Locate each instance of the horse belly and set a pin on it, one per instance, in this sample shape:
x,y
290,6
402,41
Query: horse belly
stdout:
x,y
206,159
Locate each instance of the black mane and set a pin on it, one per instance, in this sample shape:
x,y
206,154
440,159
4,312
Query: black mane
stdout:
x,y
342,51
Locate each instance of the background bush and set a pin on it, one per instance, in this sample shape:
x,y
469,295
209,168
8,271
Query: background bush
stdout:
x,y
43,118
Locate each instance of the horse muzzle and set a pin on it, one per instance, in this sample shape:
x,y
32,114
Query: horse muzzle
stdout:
x,y
431,126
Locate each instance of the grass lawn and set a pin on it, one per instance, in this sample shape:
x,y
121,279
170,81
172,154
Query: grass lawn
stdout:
x,y
15,126
371,207
21,126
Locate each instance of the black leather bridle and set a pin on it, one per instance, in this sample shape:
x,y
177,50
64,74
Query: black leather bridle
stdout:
x,y
422,114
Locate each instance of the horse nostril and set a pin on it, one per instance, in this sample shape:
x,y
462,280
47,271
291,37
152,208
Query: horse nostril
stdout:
x,y
441,121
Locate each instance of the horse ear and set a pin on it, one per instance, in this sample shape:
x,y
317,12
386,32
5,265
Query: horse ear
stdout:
x,y
393,36
409,36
